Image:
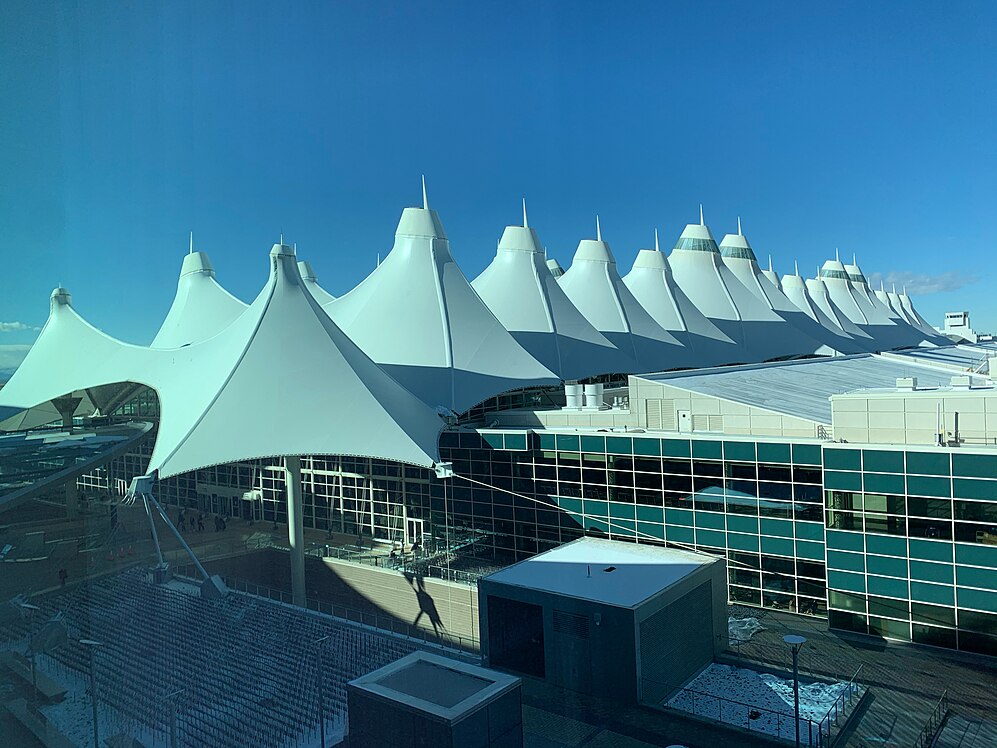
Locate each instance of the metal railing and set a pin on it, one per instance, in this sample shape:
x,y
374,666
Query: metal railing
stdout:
x,y
934,722
379,621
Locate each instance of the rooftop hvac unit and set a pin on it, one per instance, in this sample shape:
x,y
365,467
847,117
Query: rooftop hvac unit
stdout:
x,y
594,396
573,396
907,383
961,382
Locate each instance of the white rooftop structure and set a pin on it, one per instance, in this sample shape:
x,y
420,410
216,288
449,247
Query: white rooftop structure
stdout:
x,y
555,268
650,281
701,273
201,307
803,388
771,275
311,282
593,284
871,319
740,259
418,317
521,292
577,569
327,396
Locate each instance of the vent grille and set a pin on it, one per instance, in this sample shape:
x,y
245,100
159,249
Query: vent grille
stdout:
x,y
660,414
716,423
700,423
571,624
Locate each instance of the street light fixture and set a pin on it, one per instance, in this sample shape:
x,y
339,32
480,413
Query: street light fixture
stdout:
x,y
796,641
91,646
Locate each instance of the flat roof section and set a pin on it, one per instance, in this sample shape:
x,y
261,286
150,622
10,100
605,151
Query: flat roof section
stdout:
x,y
605,571
437,685
803,388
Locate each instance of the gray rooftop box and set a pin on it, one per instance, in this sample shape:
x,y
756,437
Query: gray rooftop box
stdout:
x,y
436,702
621,620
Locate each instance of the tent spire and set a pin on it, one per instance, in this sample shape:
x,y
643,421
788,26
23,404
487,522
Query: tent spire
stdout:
x,y
738,229
701,221
526,223
425,199
894,288
282,238
657,247
854,261
837,255
796,267
191,250
598,230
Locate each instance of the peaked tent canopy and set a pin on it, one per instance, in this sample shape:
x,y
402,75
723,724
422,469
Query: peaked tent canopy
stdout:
x,y
418,317
329,397
872,320
201,307
739,258
700,272
311,281
521,292
798,291
594,285
909,334
650,281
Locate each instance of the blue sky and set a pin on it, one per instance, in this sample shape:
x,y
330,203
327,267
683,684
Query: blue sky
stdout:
x,y
864,126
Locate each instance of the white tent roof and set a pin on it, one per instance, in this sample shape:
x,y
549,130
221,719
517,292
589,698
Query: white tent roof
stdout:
x,y
858,309
555,268
311,281
418,317
771,275
701,273
594,285
739,258
521,292
910,335
918,321
322,395
201,307
824,313
650,281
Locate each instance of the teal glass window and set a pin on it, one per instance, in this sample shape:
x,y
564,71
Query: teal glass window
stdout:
x,y
742,523
493,440
619,445
971,576
882,461
779,527
884,483
675,448
680,535
845,541
777,546
886,545
653,529
930,550
928,463
842,459
739,451
568,504
678,517
810,550
978,599
547,441
740,542
647,447
807,454
963,488
924,486
711,538
515,442
772,452
976,555
710,450
974,466
843,561
842,481
596,508
843,580
621,511
887,587
567,442
881,606
846,601
932,593
593,444
650,514
711,520
697,245
809,531
886,566
926,571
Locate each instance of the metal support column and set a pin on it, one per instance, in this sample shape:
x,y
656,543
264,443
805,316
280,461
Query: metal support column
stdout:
x,y
295,528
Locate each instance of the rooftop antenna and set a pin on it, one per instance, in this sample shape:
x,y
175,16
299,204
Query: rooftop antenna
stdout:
x,y
526,223
425,199
191,250
657,247
738,221
701,221
598,230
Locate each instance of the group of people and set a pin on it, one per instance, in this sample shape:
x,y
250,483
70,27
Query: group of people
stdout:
x,y
196,522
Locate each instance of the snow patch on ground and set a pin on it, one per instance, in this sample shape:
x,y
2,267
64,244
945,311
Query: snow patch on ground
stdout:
x,y
740,630
758,701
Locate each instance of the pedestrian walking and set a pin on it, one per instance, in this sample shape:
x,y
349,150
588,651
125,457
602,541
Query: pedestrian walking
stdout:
x,y
63,575
200,522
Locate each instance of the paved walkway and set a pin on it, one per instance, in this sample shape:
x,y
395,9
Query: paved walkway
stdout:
x,y
906,681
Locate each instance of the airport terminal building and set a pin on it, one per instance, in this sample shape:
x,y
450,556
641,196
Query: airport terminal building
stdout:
x,y
820,436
